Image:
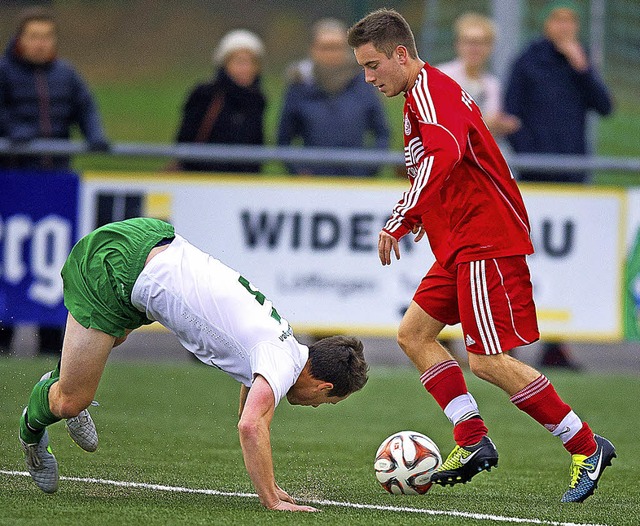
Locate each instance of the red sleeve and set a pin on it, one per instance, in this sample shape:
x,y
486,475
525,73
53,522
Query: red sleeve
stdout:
x,y
442,130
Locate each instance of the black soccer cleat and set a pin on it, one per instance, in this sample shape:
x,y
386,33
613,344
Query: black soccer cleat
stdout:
x,y
463,463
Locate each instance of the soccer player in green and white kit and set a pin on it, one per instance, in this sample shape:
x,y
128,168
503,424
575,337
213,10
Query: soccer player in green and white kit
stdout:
x,y
134,272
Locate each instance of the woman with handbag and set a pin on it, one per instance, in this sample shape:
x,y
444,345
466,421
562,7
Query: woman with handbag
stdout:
x,y
230,108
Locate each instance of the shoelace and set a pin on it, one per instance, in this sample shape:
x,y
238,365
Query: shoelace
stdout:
x,y
452,461
83,416
576,465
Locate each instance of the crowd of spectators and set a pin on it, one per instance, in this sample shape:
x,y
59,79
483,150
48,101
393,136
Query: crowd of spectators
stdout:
x,y
551,89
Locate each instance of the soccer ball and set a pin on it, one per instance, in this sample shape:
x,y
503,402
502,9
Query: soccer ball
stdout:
x,y
405,461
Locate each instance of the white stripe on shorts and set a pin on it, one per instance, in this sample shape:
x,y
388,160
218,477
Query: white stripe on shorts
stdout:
x,y
482,308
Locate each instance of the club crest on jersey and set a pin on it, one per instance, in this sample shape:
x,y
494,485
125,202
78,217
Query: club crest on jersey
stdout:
x,y
407,125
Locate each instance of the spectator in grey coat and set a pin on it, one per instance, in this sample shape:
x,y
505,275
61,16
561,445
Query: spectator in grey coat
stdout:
x,y
328,104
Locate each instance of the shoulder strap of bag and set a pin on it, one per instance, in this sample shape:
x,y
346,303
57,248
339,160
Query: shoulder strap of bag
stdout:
x,y
210,117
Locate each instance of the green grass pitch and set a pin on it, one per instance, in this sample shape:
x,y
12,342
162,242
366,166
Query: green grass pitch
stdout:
x,y
174,425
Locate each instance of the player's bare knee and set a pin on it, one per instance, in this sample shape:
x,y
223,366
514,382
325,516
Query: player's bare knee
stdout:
x,y
69,406
406,338
409,335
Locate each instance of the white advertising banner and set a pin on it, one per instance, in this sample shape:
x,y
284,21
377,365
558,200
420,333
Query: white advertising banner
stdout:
x,y
311,247
576,271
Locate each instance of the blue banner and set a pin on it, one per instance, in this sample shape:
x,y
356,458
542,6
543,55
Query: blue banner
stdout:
x,y
38,227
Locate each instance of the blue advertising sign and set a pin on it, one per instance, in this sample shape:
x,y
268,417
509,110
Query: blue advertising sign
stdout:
x,y
38,215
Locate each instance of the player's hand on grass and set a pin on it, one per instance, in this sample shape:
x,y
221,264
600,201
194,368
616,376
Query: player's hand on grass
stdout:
x,y
386,243
283,495
288,506
287,503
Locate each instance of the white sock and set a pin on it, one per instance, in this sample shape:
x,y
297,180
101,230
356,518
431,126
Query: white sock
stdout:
x,y
568,427
461,408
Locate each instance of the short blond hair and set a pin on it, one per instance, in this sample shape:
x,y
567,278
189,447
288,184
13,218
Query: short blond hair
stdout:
x,y
469,20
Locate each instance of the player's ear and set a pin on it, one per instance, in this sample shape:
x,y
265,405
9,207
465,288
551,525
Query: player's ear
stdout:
x,y
401,54
325,386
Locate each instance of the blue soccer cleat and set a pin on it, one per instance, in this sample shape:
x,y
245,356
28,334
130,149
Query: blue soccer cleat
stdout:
x,y
586,471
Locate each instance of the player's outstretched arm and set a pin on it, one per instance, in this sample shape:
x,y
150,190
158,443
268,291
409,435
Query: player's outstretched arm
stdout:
x,y
255,440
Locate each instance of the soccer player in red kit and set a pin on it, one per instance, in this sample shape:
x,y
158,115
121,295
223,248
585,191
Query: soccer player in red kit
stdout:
x,y
465,199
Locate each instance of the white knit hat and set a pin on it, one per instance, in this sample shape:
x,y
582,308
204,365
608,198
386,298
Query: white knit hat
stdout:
x,y
235,40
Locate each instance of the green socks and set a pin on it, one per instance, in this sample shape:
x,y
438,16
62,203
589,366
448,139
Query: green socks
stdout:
x,y
56,372
38,415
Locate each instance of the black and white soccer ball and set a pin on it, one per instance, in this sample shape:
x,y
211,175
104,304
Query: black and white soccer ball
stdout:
x,y
405,462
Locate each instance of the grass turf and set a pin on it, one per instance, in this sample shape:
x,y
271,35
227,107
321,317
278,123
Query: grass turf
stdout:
x,y
174,424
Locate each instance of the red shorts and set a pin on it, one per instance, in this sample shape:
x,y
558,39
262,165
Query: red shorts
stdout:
x,y
492,299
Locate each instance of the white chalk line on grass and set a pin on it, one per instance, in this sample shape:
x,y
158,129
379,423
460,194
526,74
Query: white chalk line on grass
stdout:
x,y
403,509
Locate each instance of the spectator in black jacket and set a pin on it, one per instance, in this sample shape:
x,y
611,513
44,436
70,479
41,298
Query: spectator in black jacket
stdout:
x,y
230,108
42,96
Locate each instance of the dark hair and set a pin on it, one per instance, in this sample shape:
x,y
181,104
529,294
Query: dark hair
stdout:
x,y
339,360
386,29
34,14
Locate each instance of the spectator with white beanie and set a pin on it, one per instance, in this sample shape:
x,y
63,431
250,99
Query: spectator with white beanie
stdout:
x,y
229,109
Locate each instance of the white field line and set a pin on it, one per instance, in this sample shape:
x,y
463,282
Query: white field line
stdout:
x,y
403,509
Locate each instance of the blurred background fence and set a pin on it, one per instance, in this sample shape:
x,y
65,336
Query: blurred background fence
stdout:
x,y
309,155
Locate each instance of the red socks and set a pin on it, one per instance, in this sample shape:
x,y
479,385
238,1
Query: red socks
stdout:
x,y
444,392
445,382
541,402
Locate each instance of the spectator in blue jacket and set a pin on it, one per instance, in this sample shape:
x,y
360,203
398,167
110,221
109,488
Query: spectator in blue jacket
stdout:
x,y
551,89
328,104
41,95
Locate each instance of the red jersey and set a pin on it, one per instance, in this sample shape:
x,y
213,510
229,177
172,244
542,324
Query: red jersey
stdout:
x,y
462,190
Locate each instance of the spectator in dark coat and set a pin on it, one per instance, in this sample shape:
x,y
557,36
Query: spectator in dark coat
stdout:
x,y
328,103
41,95
551,89
230,109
